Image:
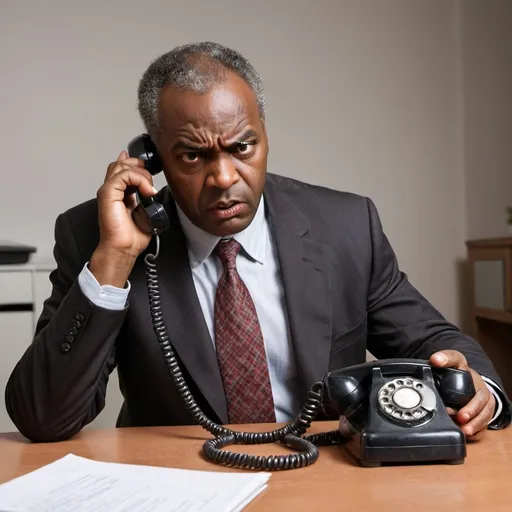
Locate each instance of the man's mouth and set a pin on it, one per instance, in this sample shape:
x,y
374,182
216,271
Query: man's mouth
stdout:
x,y
227,209
225,205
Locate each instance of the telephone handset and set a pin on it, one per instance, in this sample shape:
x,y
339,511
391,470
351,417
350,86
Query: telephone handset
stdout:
x,y
390,410
149,215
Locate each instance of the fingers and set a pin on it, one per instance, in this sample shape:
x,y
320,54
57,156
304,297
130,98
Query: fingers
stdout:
x,y
122,156
476,437
483,399
449,359
475,416
118,182
474,407
124,162
117,186
476,428
129,163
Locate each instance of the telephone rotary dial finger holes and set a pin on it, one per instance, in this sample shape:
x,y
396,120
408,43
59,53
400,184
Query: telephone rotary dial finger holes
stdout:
x,y
406,400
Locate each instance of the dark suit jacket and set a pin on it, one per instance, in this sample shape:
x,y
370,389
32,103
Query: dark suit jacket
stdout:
x,y
344,294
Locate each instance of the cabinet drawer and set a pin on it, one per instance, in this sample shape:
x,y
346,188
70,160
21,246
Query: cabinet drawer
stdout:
x,y
16,288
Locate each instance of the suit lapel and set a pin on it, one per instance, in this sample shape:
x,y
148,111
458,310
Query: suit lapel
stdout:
x,y
184,318
305,270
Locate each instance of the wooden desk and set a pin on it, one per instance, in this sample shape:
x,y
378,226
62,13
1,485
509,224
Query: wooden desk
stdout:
x,y
333,483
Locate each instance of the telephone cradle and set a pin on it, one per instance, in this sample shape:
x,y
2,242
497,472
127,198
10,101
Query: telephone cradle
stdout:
x,y
394,411
391,411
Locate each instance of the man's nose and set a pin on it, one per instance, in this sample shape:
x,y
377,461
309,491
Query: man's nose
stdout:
x,y
223,173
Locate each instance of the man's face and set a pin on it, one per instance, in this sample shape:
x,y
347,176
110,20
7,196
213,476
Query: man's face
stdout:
x,y
214,148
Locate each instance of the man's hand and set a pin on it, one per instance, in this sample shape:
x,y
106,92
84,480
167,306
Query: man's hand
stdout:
x,y
476,415
121,241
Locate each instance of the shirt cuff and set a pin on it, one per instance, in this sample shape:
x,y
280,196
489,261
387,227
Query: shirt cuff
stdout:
x,y
493,388
106,296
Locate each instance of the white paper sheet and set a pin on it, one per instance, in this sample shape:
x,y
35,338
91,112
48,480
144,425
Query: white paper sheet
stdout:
x,y
76,484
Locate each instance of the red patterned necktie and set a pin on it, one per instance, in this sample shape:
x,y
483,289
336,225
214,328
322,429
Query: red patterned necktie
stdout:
x,y
239,344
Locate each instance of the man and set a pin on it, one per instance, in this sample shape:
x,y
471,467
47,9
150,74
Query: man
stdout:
x,y
266,283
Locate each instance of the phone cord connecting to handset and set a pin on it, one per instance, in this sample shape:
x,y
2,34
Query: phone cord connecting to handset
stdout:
x,y
290,434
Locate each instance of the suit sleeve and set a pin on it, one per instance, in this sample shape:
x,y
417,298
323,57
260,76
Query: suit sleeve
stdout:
x,y
59,385
402,323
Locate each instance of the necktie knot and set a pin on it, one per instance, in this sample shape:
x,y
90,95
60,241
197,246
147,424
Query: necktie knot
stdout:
x,y
227,253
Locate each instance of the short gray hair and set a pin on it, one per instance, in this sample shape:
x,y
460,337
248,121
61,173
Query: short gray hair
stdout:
x,y
195,67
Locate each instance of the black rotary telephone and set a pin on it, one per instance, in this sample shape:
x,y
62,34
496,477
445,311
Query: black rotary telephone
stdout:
x,y
391,411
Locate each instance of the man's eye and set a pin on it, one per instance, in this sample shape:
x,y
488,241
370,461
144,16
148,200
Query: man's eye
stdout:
x,y
191,157
244,147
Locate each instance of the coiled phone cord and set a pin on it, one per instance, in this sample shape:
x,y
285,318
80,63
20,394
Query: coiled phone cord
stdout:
x,y
212,449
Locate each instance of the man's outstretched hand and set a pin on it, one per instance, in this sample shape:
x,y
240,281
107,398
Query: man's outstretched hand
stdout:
x,y
476,415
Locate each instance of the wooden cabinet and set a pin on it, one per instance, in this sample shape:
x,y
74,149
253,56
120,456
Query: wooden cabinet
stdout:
x,y
490,266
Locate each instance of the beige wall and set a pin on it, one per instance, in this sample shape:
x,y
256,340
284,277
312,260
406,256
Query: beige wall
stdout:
x,y
486,29
361,96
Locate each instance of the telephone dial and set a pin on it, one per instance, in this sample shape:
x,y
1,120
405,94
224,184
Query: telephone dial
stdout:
x,y
391,411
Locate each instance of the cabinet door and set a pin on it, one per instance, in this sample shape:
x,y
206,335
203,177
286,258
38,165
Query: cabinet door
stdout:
x,y
16,329
15,287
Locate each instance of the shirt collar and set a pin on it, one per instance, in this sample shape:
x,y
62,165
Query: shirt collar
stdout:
x,y
252,238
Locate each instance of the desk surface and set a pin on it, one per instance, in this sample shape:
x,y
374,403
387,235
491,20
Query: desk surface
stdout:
x,y
333,483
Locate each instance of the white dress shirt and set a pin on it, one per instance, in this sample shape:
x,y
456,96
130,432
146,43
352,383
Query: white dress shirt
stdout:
x,y
258,267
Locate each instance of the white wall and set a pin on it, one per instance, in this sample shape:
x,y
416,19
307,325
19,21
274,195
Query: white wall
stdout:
x,y
361,96
487,74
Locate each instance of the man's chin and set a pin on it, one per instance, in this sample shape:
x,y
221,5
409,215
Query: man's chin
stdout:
x,y
228,227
